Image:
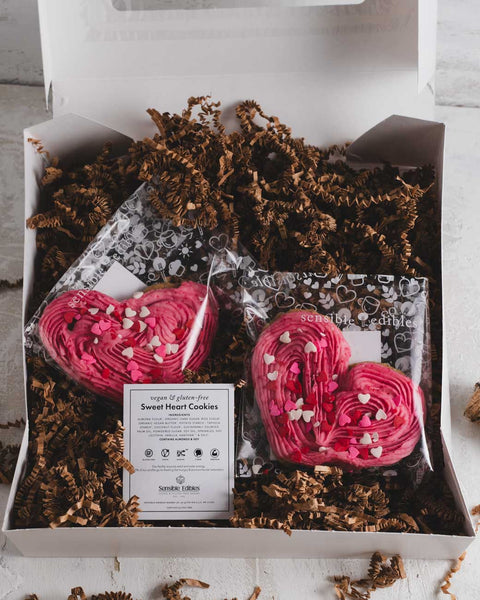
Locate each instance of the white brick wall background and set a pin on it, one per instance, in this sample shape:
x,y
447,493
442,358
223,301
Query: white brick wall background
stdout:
x,y
458,97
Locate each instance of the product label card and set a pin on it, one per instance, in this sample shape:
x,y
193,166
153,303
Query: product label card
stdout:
x,y
179,438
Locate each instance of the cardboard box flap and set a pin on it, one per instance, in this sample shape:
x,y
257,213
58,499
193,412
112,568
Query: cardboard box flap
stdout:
x,y
101,60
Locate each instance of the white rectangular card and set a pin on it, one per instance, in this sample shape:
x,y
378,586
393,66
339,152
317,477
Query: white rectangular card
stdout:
x,y
180,439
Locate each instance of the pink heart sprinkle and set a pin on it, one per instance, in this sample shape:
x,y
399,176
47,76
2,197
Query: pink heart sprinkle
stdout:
x,y
344,420
353,441
151,321
88,358
289,405
132,366
275,410
332,386
295,368
364,421
397,399
353,452
104,325
323,343
96,329
136,374
160,350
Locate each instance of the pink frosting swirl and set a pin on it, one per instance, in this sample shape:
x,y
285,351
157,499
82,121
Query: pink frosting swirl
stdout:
x,y
152,337
317,411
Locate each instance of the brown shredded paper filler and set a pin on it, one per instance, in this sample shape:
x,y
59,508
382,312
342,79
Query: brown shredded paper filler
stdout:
x,y
382,573
472,411
294,206
169,592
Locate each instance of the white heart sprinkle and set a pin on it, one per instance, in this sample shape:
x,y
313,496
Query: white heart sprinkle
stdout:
x,y
322,448
95,341
129,312
93,311
110,308
307,415
159,359
171,348
381,415
142,325
316,424
137,295
268,358
149,347
273,375
144,312
310,347
299,402
375,437
363,398
127,323
366,439
285,337
334,377
376,452
155,341
128,352
294,415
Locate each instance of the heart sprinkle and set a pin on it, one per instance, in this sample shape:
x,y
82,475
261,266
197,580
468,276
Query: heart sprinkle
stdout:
x,y
132,365
128,352
144,312
127,323
137,295
88,358
158,358
295,368
135,375
310,347
307,415
344,420
285,337
268,359
381,415
171,348
290,405
323,343
69,316
93,311
105,373
129,312
363,398
299,403
142,326
273,375
294,415
353,452
376,452
274,409
374,437
95,341
332,386
95,329
151,321
364,421
366,439
110,308
155,341
334,377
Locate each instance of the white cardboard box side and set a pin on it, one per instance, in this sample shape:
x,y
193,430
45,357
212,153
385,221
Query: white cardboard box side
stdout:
x,y
58,134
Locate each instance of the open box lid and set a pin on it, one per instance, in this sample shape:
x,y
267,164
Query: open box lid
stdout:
x,y
330,69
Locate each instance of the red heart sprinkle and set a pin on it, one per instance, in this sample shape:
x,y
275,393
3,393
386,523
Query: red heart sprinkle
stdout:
x,y
364,453
325,427
398,421
105,373
322,377
327,407
290,385
178,333
69,316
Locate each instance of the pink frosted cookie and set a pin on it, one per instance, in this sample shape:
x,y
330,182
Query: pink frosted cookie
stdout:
x,y
152,337
316,410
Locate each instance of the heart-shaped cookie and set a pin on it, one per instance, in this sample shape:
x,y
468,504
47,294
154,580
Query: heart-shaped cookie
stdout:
x,y
152,337
366,416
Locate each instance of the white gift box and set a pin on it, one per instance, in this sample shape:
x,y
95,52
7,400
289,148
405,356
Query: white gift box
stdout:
x,y
330,70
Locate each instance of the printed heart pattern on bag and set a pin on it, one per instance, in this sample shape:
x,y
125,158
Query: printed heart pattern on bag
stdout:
x,y
150,338
316,410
